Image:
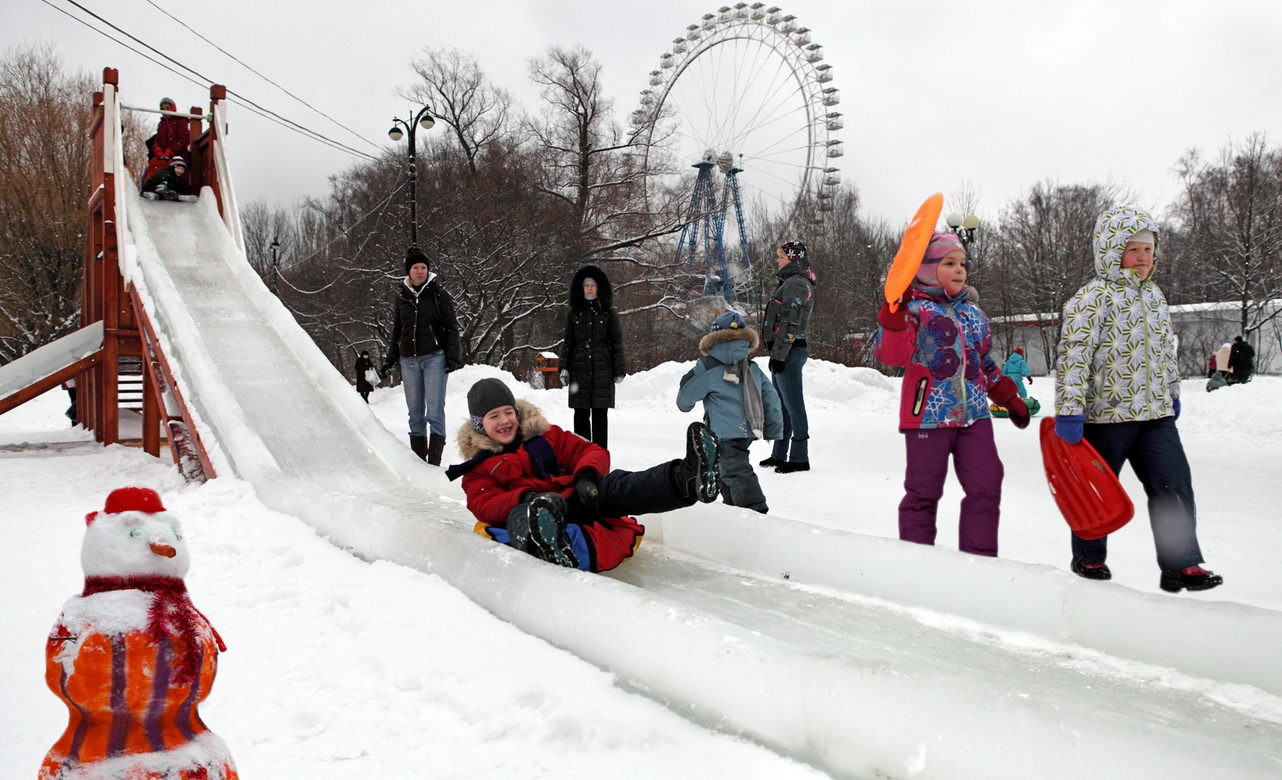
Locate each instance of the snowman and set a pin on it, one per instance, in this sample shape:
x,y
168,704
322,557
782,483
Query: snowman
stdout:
x,y
132,657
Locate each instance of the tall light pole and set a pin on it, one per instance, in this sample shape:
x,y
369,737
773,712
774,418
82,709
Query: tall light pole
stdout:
x,y
424,120
275,266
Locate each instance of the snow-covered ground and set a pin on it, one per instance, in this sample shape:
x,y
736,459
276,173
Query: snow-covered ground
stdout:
x,y
342,668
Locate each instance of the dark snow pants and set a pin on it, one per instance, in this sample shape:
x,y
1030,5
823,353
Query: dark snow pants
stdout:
x,y
592,425
657,489
1154,451
739,483
980,472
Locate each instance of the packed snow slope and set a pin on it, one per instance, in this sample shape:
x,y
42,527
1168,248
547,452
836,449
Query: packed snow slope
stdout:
x,y
840,649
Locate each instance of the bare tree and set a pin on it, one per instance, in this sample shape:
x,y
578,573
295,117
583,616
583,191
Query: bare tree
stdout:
x,y
1231,217
477,113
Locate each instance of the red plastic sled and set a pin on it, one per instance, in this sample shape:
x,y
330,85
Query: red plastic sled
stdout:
x,y
912,248
1087,492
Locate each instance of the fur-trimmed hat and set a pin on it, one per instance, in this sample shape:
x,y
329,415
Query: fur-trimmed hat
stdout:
x,y
486,395
413,256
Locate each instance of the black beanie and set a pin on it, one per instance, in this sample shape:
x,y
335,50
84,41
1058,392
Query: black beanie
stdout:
x,y
414,256
485,396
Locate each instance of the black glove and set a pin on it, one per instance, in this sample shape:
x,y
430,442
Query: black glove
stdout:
x,y
452,365
588,492
387,367
776,366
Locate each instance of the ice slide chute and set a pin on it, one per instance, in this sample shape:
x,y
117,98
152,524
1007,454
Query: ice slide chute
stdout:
x,y
836,667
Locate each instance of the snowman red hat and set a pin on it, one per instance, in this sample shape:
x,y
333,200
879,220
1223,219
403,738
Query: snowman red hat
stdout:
x,y
134,535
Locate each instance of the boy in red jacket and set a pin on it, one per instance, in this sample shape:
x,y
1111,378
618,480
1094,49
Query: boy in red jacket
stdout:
x,y
551,493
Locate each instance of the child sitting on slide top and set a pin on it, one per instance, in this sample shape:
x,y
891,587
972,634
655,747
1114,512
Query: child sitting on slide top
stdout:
x,y
942,339
551,493
739,403
1118,385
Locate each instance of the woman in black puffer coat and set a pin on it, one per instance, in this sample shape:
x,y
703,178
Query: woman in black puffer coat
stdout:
x,y
592,354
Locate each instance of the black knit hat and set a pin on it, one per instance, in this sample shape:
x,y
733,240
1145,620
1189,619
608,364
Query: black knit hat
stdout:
x,y
485,396
414,256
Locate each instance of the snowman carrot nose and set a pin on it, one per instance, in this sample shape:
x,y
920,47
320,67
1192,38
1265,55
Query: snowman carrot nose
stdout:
x,y
163,549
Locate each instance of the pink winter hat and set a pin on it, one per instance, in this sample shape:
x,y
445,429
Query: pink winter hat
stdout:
x,y
941,244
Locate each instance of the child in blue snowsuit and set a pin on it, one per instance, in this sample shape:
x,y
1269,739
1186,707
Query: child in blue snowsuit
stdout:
x,y
1017,369
740,405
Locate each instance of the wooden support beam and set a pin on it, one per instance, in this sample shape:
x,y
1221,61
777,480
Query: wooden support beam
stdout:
x,y
50,382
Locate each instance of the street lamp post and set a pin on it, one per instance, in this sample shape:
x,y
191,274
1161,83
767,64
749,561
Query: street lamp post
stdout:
x,y
275,266
424,120
964,227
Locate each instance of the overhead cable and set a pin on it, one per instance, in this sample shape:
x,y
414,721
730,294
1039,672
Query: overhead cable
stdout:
x,y
258,109
260,75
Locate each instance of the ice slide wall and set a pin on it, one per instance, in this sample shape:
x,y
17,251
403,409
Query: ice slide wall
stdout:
x,y
743,658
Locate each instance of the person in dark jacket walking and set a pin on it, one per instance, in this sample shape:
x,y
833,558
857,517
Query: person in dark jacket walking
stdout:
x,y
168,184
1241,360
592,353
363,366
783,330
425,341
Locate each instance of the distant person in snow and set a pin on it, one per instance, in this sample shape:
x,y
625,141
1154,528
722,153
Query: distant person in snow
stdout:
x,y
739,404
425,341
1016,367
364,373
168,183
592,360
1118,386
552,494
1241,360
942,339
783,330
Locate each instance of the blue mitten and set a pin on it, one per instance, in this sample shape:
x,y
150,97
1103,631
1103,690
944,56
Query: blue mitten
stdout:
x,y
1069,427
1175,402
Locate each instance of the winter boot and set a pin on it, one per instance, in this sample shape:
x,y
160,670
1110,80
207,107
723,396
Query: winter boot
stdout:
x,y
699,473
789,466
770,462
435,445
1091,571
540,531
1192,577
419,445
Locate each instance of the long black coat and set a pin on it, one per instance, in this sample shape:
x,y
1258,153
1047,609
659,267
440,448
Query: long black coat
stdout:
x,y
593,347
363,364
1242,359
423,322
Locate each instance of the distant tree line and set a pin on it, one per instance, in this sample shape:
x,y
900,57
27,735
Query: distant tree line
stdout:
x,y
511,202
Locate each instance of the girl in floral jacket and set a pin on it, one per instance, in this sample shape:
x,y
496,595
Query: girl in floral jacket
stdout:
x,y
941,337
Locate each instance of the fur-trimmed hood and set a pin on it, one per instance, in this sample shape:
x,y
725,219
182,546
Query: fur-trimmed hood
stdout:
x,y
722,336
604,295
471,443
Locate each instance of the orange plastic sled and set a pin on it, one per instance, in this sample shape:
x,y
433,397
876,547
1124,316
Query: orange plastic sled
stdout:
x,y
1087,492
912,248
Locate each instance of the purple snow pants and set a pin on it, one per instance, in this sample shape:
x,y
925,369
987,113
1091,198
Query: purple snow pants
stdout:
x,y
978,469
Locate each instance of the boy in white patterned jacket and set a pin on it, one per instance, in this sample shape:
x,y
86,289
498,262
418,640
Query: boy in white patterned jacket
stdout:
x,y
1118,385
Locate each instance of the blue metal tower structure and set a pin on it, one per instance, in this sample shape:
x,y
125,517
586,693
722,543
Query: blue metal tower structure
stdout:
x,y
706,213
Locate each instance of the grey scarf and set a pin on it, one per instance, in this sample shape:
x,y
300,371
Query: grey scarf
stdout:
x,y
740,374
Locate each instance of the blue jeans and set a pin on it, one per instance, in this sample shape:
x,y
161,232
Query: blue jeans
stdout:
x,y
796,426
424,378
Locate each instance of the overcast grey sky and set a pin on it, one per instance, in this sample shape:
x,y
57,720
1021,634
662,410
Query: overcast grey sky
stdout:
x,y
935,95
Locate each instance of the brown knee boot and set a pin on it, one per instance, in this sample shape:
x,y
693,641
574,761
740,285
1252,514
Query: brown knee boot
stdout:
x,y
435,446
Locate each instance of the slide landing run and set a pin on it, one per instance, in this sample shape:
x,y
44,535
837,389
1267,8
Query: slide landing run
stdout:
x,y
824,666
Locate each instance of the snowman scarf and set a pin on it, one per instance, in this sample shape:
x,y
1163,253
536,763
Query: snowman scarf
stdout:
x,y
171,615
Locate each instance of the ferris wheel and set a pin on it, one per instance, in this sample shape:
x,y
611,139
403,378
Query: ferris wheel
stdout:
x,y
748,85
